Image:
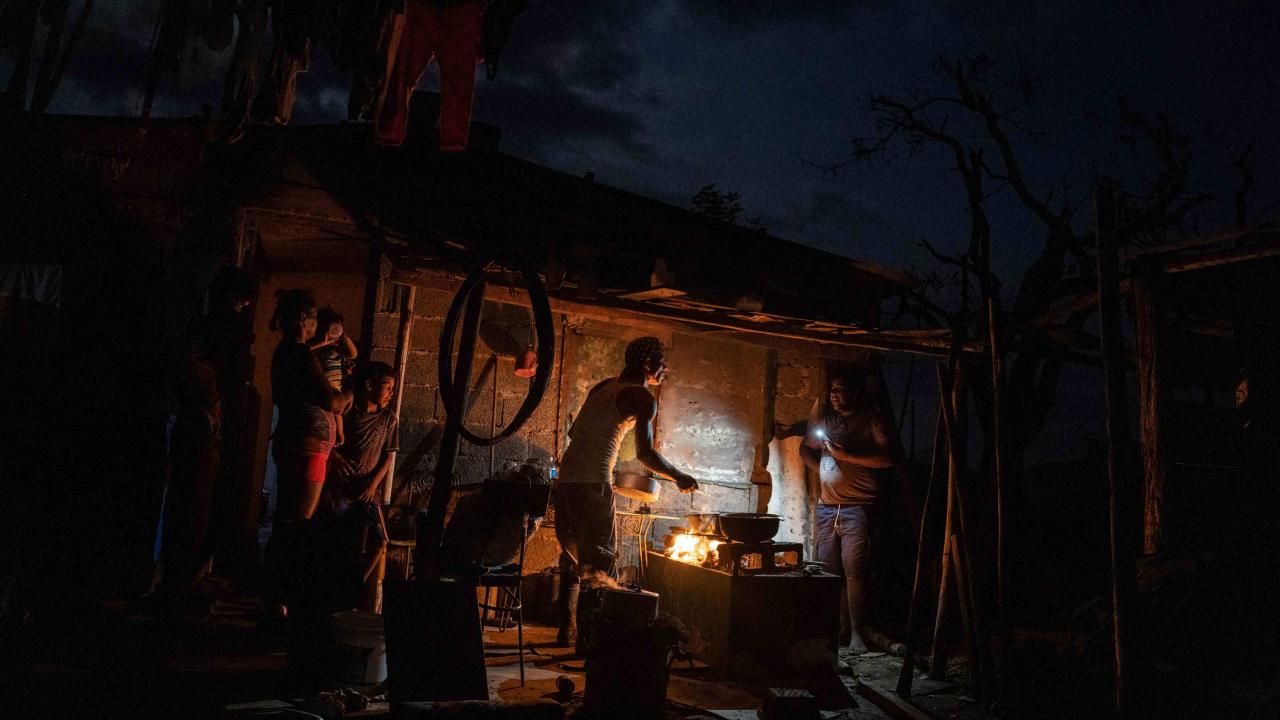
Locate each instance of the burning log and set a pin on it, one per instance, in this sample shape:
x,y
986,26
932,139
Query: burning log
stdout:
x,y
694,549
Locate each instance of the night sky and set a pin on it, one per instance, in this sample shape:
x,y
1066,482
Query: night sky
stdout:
x,y
662,97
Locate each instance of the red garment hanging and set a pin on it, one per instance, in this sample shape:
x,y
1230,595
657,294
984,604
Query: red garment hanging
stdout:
x,y
451,33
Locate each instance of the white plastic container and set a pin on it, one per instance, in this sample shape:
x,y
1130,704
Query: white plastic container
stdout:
x,y
359,656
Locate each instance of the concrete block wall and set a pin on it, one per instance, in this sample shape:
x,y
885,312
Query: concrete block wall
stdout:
x,y
793,490
715,410
495,397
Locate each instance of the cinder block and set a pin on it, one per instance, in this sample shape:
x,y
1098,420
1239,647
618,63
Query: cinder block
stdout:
x,y
386,330
418,403
421,369
425,334
789,704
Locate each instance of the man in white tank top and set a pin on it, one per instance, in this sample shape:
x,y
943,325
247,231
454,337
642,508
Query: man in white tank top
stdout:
x,y
583,491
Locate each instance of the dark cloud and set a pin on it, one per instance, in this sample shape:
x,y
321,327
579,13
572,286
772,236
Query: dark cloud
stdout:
x,y
564,76
587,44
770,14
825,215
546,112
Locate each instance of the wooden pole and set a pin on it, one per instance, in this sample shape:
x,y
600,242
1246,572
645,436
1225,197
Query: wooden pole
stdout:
x,y
931,497
402,363
938,661
1147,321
967,611
1122,569
959,542
997,425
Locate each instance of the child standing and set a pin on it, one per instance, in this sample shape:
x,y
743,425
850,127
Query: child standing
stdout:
x,y
336,353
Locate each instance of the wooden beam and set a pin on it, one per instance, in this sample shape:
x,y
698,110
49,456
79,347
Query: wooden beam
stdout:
x,y
1146,304
1222,257
1071,307
1199,242
851,345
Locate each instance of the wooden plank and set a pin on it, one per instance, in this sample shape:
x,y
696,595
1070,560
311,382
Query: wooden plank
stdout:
x,y
1199,242
660,323
654,294
1150,401
883,696
841,342
1223,257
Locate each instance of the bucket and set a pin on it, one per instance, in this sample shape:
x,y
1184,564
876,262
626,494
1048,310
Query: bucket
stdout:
x,y
359,651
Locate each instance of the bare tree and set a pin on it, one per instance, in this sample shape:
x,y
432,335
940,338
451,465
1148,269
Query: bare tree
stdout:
x,y
20,23
974,120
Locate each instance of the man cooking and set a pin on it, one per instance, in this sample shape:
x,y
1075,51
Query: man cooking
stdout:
x,y
583,494
848,444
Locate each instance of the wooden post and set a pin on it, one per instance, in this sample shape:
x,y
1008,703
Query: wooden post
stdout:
x,y
1122,568
962,563
1146,305
968,614
938,662
402,363
931,498
997,425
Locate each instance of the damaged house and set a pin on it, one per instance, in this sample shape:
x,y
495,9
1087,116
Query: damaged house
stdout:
x,y
137,223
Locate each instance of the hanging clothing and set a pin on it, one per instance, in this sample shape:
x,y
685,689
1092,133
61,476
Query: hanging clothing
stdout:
x,y
499,17
295,24
242,72
374,42
450,32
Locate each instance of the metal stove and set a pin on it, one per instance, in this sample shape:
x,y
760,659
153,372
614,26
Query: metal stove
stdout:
x,y
737,558
753,611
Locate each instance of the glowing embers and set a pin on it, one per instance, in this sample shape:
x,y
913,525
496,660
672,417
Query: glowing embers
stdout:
x,y
764,558
694,549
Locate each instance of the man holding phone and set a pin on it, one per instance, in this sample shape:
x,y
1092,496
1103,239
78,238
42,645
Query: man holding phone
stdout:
x,y
848,444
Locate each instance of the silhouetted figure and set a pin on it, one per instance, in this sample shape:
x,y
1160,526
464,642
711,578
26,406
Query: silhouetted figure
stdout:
x,y
302,440
583,490
195,444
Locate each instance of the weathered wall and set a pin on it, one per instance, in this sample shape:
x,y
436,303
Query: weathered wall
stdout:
x,y
710,424
713,407
715,410
494,398
793,490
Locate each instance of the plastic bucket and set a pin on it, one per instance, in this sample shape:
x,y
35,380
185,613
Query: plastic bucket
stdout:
x,y
359,655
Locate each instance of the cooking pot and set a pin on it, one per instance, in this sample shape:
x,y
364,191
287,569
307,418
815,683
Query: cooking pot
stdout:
x,y
636,485
749,527
703,523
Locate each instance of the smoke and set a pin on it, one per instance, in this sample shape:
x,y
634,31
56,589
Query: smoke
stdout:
x,y
597,580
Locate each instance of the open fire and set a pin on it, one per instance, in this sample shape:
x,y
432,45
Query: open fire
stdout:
x,y
694,549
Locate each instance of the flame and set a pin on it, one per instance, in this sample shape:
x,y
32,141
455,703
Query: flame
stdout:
x,y
693,549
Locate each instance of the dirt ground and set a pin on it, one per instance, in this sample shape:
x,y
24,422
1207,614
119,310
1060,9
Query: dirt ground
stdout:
x,y
108,659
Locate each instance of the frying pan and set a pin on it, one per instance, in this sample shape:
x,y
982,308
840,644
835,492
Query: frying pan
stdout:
x,y
636,485
749,527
